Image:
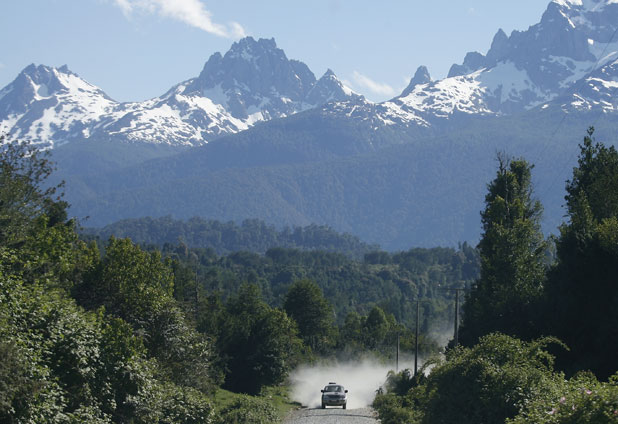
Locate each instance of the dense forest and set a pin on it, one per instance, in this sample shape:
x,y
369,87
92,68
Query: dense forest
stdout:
x,y
105,330
539,341
224,237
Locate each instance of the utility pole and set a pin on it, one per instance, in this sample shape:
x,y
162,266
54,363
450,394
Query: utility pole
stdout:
x,y
457,317
197,293
418,318
397,361
456,338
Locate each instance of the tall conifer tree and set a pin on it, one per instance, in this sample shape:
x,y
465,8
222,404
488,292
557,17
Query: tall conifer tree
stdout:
x,y
582,289
512,250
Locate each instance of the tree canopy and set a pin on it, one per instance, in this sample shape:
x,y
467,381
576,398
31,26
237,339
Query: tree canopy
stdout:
x,y
512,250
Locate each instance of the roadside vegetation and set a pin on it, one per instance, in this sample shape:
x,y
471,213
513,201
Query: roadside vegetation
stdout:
x,y
507,370
110,331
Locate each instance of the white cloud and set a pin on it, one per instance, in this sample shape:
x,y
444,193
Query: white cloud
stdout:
x,y
125,6
364,81
191,12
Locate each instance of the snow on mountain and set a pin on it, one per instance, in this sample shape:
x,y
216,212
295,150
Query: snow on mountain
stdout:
x,y
568,59
254,81
572,52
43,103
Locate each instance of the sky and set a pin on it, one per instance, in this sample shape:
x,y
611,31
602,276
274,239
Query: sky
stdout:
x,y
138,49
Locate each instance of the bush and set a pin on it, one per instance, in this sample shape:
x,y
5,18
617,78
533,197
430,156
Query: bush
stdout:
x,y
489,382
249,410
394,409
581,400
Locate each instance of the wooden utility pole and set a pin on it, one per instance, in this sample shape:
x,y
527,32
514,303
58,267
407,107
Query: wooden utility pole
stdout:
x,y
456,333
457,316
418,318
397,361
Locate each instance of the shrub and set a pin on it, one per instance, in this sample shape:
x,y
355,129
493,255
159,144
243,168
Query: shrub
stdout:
x,y
249,410
394,409
489,382
581,400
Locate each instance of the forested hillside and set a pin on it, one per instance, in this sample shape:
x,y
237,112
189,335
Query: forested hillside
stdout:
x,y
225,237
419,189
113,332
391,281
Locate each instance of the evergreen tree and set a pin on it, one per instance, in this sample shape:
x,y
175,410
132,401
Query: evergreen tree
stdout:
x,y
24,193
375,327
512,252
582,290
258,343
306,304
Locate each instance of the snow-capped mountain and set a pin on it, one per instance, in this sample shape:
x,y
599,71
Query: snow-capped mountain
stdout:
x,y
254,81
46,104
568,60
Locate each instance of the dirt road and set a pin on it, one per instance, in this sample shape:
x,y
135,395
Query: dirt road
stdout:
x,y
332,416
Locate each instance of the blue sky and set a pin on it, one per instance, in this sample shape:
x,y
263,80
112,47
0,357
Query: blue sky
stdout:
x,y
138,49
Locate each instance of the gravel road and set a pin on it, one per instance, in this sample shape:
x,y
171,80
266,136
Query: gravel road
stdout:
x,y
332,416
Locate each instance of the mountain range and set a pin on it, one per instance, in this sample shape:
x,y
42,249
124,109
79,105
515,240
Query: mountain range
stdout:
x,y
254,81
256,135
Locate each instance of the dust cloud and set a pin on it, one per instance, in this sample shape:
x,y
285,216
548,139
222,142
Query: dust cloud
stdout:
x,y
361,379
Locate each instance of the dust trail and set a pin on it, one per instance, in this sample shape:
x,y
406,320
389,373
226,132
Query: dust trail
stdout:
x,y
360,378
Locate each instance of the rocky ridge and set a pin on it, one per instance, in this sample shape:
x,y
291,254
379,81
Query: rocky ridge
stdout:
x,y
254,81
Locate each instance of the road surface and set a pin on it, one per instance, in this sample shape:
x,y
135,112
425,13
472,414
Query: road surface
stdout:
x,y
332,416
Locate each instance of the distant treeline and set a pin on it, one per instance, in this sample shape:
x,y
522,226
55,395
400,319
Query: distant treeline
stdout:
x,y
225,237
391,281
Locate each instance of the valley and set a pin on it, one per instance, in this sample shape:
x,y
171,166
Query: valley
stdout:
x,y
217,253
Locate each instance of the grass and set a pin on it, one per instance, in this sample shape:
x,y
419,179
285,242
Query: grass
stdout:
x,y
277,396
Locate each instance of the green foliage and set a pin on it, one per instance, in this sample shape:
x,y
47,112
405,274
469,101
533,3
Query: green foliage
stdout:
x,y
306,305
130,283
400,383
54,352
393,409
349,285
258,343
375,326
592,186
137,286
580,400
226,237
23,174
168,403
582,294
248,410
377,332
512,253
488,383
62,364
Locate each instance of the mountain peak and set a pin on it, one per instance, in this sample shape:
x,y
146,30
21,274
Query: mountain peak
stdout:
x,y
42,78
249,48
590,5
329,89
421,76
329,74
